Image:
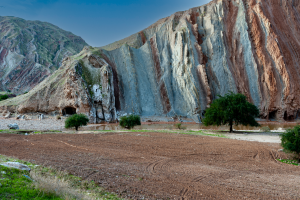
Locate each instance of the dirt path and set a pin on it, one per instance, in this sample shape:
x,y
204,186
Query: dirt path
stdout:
x,y
257,136
163,165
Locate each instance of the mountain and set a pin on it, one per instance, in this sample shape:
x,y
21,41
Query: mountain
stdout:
x,y
179,65
30,51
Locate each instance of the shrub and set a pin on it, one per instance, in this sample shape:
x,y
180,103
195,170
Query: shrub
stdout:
x,y
229,109
76,121
290,141
130,121
265,129
3,97
178,125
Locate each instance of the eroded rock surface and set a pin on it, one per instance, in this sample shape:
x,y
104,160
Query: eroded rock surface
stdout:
x,y
84,84
30,51
179,65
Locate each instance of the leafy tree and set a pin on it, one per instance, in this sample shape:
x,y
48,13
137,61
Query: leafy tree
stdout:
x,y
231,109
76,121
290,141
130,121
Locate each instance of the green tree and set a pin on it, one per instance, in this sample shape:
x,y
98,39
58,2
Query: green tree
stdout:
x,y
231,109
290,141
130,121
76,121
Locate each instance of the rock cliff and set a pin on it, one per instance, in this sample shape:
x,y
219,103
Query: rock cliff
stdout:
x,y
178,66
30,51
83,84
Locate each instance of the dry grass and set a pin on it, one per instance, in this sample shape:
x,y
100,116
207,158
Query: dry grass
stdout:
x,y
58,185
67,186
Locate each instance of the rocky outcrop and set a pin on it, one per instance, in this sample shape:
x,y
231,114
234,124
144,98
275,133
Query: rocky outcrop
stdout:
x,y
30,51
83,84
179,65
189,58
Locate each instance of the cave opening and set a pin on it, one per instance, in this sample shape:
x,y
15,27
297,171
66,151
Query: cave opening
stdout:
x,y
288,117
69,111
272,115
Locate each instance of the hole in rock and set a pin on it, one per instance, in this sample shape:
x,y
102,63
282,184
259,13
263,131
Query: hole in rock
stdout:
x,y
288,117
272,115
69,111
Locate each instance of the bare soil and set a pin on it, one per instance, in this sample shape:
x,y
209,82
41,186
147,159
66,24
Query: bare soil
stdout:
x,y
164,165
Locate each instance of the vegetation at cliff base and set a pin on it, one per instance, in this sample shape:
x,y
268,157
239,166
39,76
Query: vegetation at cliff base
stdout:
x,y
290,141
130,121
76,121
231,109
3,97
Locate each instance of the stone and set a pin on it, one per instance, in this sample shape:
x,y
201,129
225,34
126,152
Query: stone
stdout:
x,y
16,165
13,126
41,117
19,116
28,177
7,115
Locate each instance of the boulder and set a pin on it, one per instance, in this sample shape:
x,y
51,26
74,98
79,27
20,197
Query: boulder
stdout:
x,y
19,116
7,115
16,165
41,117
13,126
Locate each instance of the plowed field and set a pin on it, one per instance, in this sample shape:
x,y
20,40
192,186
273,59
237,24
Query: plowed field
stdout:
x,y
164,165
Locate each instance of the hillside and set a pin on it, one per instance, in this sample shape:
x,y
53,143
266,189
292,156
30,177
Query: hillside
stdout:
x,y
179,65
32,50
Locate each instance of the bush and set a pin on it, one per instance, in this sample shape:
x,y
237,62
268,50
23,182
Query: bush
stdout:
x,y
178,125
231,109
76,121
130,121
3,97
265,129
290,141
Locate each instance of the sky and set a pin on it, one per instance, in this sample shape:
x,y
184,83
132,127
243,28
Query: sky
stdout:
x,y
98,22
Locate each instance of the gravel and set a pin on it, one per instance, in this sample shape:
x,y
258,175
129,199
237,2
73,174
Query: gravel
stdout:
x,y
46,124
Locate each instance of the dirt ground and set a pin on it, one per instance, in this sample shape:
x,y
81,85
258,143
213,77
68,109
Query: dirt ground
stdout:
x,y
164,165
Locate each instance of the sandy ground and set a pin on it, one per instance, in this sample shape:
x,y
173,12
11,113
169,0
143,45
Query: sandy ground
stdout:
x,y
164,165
46,124
259,137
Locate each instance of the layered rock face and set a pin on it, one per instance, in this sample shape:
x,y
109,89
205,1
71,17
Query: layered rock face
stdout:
x,y
30,51
180,64
83,84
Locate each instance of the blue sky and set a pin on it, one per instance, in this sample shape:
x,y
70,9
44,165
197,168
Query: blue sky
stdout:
x,y
98,22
